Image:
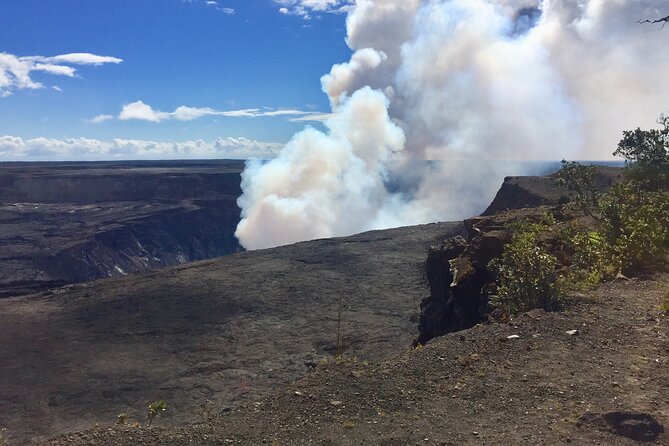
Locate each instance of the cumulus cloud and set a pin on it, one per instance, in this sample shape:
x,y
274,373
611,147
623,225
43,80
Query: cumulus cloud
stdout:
x,y
476,87
101,118
140,111
15,71
305,8
13,148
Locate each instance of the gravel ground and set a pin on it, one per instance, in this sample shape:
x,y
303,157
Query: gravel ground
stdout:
x,y
533,381
225,330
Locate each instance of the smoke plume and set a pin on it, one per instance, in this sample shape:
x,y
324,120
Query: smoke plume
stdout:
x,y
443,98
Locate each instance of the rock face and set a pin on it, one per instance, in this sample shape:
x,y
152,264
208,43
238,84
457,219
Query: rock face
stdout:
x,y
75,222
531,191
457,271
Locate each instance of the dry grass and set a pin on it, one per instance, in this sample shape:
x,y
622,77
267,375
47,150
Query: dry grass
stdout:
x,y
664,306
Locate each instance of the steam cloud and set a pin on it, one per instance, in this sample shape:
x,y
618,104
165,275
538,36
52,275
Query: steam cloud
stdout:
x,y
439,92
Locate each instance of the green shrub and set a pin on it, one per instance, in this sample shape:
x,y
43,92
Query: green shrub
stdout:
x,y
154,409
591,262
122,419
527,274
635,227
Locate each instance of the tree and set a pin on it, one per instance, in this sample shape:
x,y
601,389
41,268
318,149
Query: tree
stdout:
x,y
633,216
580,180
646,153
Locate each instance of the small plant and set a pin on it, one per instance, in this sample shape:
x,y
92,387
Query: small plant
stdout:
x,y
154,409
664,306
3,438
122,419
339,346
527,274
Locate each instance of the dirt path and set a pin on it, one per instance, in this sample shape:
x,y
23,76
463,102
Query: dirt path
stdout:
x,y
473,387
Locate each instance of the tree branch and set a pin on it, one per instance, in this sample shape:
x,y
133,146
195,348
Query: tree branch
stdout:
x,y
663,21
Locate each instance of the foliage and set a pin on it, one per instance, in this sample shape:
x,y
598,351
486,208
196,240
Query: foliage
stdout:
x,y
154,409
527,274
591,262
121,419
580,180
634,214
635,227
631,234
647,155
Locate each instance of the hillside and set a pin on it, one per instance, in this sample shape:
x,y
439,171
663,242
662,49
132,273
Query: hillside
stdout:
x,y
223,330
74,222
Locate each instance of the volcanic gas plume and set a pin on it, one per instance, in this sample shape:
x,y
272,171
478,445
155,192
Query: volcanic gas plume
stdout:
x,y
438,92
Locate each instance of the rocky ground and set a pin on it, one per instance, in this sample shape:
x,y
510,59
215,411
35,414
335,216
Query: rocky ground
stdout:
x,y
223,330
595,374
73,222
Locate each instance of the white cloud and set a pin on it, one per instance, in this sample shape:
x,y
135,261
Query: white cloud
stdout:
x,y
13,148
312,117
214,4
305,8
84,59
100,119
15,71
143,112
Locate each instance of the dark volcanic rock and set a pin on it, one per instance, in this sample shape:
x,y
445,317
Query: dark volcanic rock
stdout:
x,y
224,330
458,274
73,222
531,191
634,425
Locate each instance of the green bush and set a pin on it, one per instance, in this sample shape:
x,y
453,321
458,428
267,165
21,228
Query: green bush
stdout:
x,y
527,274
154,409
635,227
591,261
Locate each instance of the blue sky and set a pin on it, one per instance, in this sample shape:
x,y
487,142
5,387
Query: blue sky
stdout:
x,y
258,56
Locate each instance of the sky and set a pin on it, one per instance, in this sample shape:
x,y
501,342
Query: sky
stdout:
x,y
149,73
353,114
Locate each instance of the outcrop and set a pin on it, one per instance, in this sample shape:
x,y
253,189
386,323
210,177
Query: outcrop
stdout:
x,y
531,191
460,281
458,275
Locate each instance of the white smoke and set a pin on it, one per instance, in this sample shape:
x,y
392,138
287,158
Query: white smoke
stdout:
x,y
470,85
320,178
